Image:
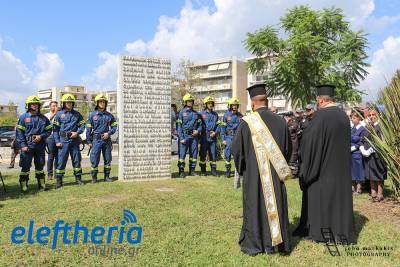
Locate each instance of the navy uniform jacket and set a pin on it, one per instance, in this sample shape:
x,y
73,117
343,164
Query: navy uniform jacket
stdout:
x,y
188,120
230,123
210,123
98,123
28,125
67,121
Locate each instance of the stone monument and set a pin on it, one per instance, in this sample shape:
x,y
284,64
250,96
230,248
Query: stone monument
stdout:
x,y
144,114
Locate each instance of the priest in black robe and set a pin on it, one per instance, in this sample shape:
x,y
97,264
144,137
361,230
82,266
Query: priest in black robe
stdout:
x,y
325,174
255,236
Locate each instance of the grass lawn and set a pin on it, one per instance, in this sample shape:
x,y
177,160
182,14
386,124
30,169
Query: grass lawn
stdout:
x,y
194,221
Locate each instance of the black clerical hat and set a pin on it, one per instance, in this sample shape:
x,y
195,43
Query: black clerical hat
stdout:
x,y
257,89
326,89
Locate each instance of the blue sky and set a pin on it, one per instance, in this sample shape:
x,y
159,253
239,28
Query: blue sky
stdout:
x,y
52,43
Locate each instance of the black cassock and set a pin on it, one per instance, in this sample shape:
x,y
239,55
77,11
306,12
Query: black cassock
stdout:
x,y
255,236
325,177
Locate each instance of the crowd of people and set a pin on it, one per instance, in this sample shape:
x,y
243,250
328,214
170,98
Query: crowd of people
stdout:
x,y
59,131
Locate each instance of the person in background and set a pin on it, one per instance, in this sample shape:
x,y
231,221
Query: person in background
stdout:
x,y
310,109
52,156
358,132
364,108
375,167
293,131
14,152
274,109
174,117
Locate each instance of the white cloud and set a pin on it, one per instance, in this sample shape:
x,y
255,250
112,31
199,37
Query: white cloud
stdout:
x,y
205,33
378,24
136,48
104,76
384,63
15,78
51,69
17,81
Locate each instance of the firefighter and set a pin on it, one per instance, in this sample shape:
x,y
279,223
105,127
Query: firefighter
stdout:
x,y
228,128
100,126
67,126
208,141
32,130
189,128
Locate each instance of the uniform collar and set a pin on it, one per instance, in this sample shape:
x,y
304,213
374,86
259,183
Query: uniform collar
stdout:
x,y
358,126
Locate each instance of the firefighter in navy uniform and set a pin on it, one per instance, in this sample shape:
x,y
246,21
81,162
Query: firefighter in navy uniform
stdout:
x,y
228,128
100,126
208,141
67,126
189,127
31,132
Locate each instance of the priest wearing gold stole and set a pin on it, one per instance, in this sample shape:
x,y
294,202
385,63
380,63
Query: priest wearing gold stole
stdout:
x,y
261,147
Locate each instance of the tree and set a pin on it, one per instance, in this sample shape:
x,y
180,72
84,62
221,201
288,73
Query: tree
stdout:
x,y
84,109
184,80
318,48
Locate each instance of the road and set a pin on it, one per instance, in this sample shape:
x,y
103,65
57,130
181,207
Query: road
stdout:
x,y
5,153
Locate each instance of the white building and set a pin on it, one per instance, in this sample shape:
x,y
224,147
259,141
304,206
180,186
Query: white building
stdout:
x,y
280,102
223,79
82,97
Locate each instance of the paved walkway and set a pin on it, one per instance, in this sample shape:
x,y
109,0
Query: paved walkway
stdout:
x,y
5,153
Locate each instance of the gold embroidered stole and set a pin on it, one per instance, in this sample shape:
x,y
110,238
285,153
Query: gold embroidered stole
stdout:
x,y
267,151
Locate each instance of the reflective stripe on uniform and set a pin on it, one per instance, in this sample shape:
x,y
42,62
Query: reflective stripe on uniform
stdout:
x,y
88,125
48,127
114,123
60,171
39,171
94,169
77,169
81,122
227,162
202,162
21,127
56,123
181,160
107,167
179,121
24,173
191,159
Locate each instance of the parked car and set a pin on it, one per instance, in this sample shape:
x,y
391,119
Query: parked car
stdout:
x,y
6,128
6,138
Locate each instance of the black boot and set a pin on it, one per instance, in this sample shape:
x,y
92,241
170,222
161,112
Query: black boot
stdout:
x,y
78,180
228,172
24,186
41,183
214,171
181,173
59,182
203,170
94,179
191,172
107,178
